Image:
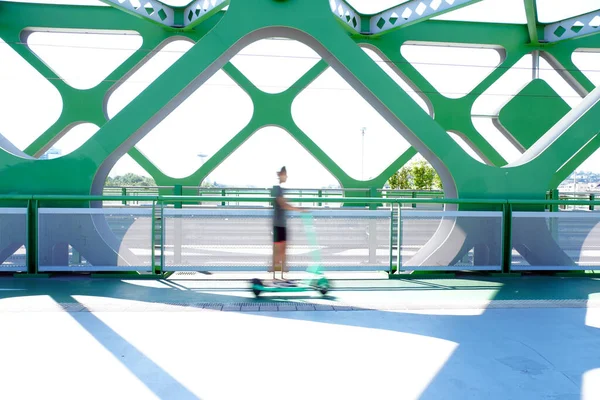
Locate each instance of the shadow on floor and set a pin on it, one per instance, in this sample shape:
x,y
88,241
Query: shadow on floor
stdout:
x,y
458,377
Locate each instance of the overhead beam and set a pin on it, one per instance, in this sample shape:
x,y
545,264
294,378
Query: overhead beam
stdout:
x,y
347,14
201,10
152,10
532,20
575,27
413,12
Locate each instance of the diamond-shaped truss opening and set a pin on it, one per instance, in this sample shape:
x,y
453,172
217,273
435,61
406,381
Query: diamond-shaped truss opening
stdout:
x,y
388,67
559,31
135,4
453,71
176,3
256,161
577,26
380,23
149,9
587,61
84,60
421,8
71,140
162,14
274,65
29,103
557,10
393,18
145,75
373,7
332,114
495,11
198,127
595,22
466,145
435,4
406,13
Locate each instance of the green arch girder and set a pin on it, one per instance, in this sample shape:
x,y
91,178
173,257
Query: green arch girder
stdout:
x,y
220,37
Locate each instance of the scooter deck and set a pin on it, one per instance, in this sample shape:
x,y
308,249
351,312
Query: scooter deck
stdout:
x,y
283,288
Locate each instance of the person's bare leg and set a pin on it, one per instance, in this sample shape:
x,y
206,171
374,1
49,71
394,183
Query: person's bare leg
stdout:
x,y
283,258
275,258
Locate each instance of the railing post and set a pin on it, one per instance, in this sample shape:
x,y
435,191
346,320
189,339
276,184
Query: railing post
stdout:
x,y
414,196
319,195
153,239
372,195
32,236
554,195
391,238
178,191
399,240
223,194
162,236
124,193
178,234
592,198
506,237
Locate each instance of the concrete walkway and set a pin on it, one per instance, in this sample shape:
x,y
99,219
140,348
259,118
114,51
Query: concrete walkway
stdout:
x,y
188,338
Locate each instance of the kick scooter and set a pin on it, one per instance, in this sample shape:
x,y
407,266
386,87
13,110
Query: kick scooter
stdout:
x,y
317,282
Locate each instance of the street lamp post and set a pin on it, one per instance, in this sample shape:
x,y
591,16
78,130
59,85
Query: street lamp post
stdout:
x,y
362,164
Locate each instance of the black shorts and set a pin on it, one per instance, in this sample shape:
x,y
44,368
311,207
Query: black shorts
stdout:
x,y
279,234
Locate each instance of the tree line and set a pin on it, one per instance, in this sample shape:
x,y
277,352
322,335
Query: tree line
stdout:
x,y
417,175
129,179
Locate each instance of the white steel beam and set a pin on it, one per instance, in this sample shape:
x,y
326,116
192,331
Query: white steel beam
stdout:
x,y
199,10
412,12
346,14
581,25
150,9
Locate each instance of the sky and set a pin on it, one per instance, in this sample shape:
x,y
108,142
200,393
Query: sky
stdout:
x,y
329,111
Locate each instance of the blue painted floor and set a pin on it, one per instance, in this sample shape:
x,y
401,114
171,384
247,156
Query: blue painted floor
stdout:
x,y
372,339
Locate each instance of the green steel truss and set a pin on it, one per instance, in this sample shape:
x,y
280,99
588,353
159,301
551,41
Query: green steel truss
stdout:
x,y
218,35
554,138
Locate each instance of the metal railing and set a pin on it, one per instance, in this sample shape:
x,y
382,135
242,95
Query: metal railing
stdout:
x,y
399,209
235,192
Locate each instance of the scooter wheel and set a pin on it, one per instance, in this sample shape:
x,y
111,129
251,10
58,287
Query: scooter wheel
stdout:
x,y
323,286
255,284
